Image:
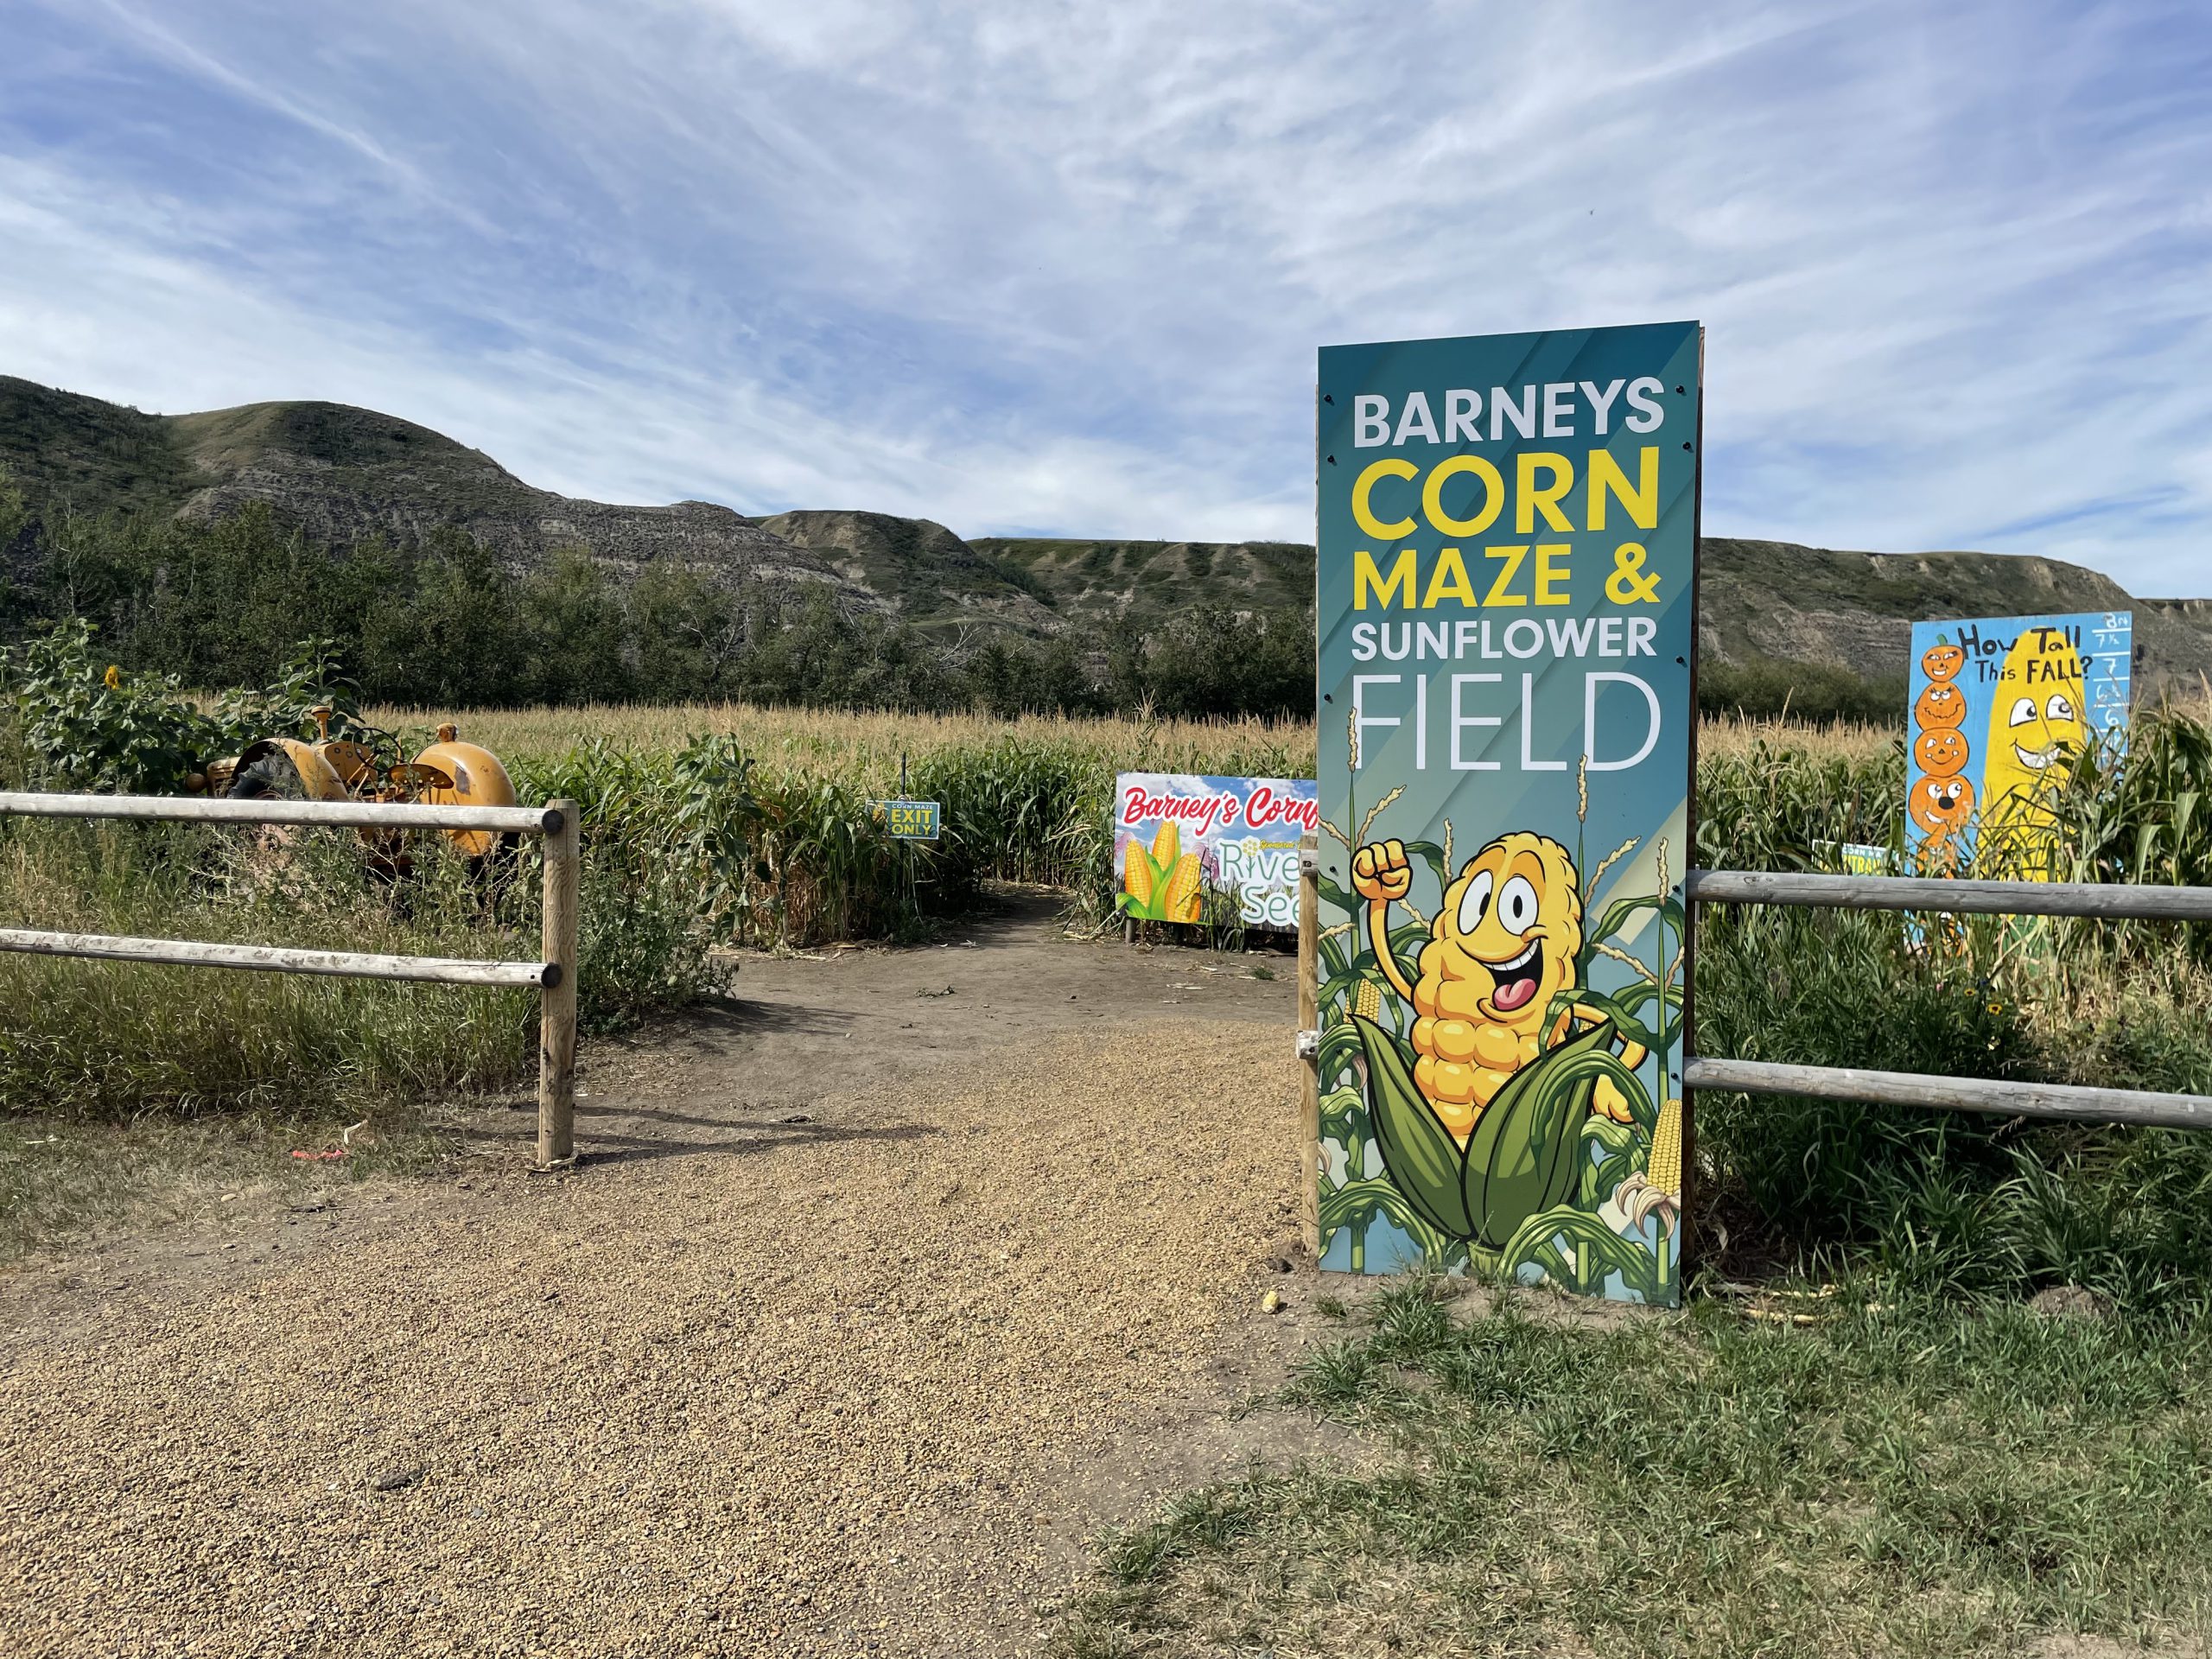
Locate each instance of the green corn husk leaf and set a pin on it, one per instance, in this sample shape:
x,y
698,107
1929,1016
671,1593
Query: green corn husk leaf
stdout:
x,y
1407,939
1340,985
1338,1045
1618,1006
1425,1162
1609,1253
1350,904
1521,1159
1157,911
1432,854
1621,911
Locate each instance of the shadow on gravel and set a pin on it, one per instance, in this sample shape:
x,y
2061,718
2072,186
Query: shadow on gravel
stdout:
x,y
743,1017
752,1138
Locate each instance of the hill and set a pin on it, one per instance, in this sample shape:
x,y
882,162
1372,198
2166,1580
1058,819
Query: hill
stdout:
x,y
1762,601
1778,601
922,571
1093,580
340,474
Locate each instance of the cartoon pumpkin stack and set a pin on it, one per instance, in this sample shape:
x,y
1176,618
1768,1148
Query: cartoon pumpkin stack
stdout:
x,y
1941,796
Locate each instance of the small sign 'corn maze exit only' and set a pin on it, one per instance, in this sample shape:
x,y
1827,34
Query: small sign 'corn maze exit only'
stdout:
x,y
909,820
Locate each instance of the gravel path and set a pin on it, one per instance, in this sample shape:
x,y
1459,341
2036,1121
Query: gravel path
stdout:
x,y
751,1385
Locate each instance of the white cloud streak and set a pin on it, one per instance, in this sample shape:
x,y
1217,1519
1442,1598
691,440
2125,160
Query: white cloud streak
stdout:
x,y
1061,267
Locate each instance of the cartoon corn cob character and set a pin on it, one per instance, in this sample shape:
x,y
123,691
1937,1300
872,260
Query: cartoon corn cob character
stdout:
x,y
1503,945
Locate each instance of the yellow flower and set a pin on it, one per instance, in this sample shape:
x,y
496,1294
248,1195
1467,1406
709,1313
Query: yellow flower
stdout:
x,y
114,677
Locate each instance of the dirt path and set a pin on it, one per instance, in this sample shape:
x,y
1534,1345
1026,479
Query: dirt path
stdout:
x,y
886,1286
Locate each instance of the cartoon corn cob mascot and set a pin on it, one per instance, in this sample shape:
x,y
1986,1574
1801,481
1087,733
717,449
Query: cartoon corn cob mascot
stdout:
x,y
2035,729
1504,944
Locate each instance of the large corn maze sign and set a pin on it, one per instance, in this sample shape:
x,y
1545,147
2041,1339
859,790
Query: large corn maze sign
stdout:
x,y
1507,608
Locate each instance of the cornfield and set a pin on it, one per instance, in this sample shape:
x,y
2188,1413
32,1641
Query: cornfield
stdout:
x,y
1023,800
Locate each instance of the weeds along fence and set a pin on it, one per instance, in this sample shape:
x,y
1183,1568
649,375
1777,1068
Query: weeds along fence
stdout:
x,y
553,975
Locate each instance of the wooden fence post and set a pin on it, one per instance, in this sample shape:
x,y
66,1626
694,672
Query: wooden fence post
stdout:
x,y
556,1030
1309,1064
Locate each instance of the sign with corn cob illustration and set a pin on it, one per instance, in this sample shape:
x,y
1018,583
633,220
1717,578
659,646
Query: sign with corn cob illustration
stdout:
x,y
1179,838
1507,609
2001,708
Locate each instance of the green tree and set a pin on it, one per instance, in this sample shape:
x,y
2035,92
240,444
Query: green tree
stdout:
x,y
573,627
684,629
461,642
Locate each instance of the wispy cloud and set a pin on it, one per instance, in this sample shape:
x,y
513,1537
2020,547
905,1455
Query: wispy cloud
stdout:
x,y
1019,266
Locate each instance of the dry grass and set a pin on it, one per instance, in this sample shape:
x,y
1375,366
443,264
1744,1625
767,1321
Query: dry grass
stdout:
x,y
1733,736
863,747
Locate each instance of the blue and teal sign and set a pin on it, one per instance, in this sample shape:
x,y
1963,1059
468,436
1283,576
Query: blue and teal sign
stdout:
x,y
1507,608
910,820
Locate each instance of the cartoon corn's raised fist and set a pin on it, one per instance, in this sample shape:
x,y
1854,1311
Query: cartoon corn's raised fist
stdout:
x,y
1380,872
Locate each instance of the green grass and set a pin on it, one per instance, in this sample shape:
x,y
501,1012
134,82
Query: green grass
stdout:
x,y
1952,1201
1927,1468
1911,1477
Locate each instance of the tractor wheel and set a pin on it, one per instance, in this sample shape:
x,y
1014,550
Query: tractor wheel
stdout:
x,y
492,870
270,776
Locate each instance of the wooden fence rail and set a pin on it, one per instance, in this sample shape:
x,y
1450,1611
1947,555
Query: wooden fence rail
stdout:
x,y
1961,1094
2114,901
363,815
554,977
2109,901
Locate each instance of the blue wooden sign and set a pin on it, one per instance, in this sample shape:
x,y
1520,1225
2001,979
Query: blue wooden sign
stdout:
x,y
910,820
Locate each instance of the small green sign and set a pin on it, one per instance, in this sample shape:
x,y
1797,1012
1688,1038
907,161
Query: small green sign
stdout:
x,y
910,820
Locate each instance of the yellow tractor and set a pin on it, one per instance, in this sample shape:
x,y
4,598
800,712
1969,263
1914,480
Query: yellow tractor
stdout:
x,y
448,773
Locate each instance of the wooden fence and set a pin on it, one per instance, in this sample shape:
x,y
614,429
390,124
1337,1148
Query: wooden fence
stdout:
x,y
2111,901
554,977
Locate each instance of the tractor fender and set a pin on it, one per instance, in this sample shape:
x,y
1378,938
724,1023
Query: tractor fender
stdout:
x,y
479,779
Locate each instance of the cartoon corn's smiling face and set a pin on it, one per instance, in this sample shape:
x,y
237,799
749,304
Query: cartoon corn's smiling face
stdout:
x,y
1506,941
2036,726
2036,719
1507,937
2039,730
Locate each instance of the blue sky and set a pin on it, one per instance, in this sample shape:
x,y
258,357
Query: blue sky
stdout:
x,y
1029,267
